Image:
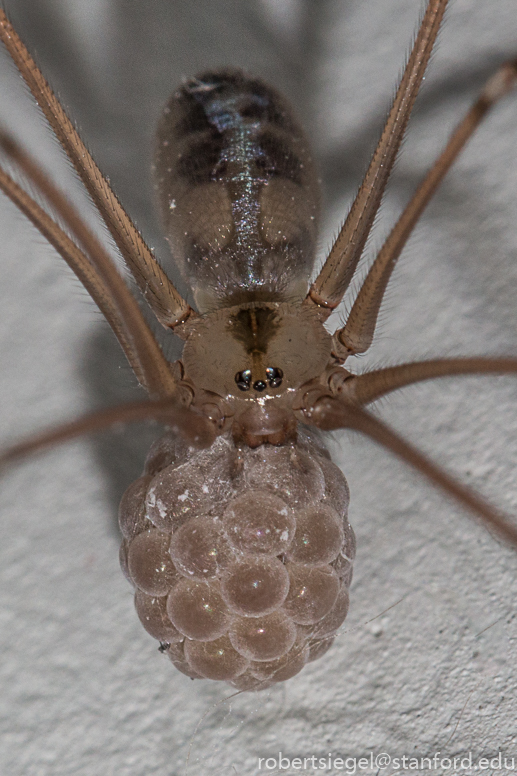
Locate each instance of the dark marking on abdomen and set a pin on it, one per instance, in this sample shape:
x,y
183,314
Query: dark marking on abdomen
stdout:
x,y
223,139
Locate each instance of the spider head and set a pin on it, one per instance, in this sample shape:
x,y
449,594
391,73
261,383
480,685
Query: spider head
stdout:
x,y
255,357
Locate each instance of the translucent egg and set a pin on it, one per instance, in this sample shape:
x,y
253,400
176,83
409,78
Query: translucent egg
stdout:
x,y
344,569
309,438
319,536
329,624
168,450
199,548
285,667
176,654
312,593
246,682
197,609
152,611
290,472
255,586
131,513
337,494
174,497
215,659
191,490
259,522
263,638
150,564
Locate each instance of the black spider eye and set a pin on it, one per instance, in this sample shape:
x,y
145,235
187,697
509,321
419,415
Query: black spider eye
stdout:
x,y
274,376
260,385
243,379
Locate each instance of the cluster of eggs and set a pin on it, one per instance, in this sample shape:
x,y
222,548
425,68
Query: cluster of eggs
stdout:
x,y
241,558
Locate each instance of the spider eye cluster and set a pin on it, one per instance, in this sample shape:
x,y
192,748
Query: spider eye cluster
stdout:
x,y
243,379
274,376
273,379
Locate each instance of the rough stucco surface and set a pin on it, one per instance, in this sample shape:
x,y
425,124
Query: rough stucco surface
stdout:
x,y
83,689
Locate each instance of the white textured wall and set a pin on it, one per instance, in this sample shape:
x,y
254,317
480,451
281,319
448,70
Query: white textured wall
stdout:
x,y
83,689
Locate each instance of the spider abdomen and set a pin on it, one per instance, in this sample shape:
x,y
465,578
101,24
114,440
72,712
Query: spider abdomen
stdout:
x,y
241,558
237,189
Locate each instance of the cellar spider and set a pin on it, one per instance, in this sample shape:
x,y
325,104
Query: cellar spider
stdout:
x,y
413,509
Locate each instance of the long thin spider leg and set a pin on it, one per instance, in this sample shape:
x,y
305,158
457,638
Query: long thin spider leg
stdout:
x,y
357,335
195,428
331,413
365,388
168,305
336,274
101,279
